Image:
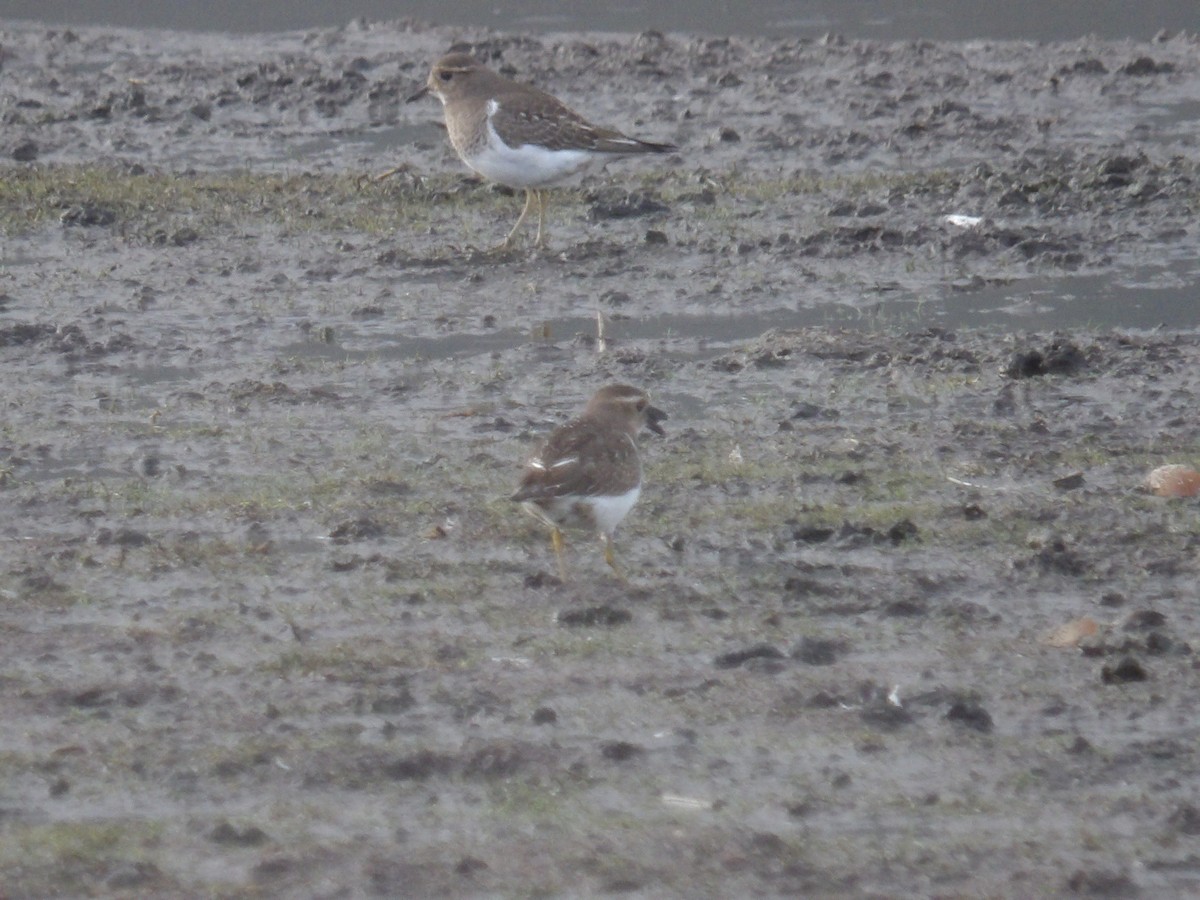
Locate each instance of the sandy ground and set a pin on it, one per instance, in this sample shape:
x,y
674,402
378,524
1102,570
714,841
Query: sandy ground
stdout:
x,y
270,626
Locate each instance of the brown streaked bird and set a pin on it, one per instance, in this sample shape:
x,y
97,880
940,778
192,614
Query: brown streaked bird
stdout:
x,y
517,135
588,474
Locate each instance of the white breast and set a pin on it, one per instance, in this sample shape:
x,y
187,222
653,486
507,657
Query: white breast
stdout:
x,y
609,511
528,165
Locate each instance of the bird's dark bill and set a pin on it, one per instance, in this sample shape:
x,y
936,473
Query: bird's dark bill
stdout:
x,y
419,94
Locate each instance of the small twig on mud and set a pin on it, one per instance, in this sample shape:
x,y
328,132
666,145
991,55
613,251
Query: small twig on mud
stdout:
x,y
364,180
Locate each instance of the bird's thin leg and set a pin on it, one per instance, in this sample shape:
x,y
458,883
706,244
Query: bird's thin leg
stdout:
x,y
610,558
556,541
542,231
508,241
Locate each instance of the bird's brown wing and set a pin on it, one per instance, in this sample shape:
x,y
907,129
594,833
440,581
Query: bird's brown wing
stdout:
x,y
581,462
547,122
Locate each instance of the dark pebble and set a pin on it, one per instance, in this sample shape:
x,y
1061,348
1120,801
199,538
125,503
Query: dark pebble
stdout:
x,y
469,865
621,751
615,298
1080,746
816,651
88,214
1144,66
812,534
540,580
1158,643
544,715
736,658
1069,482
970,715
1127,670
356,530
904,530
1185,820
594,616
26,151
1025,365
419,766
1144,620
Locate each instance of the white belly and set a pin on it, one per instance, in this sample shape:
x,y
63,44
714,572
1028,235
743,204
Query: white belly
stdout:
x,y
527,166
609,511
601,513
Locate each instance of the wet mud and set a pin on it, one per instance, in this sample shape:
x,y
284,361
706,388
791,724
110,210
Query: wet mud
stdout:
x,y
901,618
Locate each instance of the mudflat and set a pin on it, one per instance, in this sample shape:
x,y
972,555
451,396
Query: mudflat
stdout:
x,y
900,619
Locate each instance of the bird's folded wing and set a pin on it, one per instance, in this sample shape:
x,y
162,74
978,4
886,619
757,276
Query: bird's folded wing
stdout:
x,y
579,463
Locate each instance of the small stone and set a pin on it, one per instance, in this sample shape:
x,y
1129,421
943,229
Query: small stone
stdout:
x,y
594,616
539,580
904,530
1080,746
1144,620
621,751
359,529
970,714
736,658
469,865
1069,482
1025,365
1126,671
816,651
26,151
1185,820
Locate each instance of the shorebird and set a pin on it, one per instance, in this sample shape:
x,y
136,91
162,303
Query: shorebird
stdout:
x,y
588,473
518,136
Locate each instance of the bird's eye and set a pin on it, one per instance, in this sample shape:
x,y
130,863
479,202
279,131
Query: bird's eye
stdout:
x,y
445,76
641,406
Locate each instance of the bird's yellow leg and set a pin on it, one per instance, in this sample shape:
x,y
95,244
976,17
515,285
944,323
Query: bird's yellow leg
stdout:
x,y
610,558
529,197
556,541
